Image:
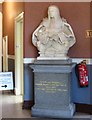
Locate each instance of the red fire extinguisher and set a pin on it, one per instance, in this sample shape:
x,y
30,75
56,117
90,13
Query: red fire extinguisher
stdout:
x,y
82,74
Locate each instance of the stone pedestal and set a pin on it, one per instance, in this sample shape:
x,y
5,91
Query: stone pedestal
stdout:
x,y
52,89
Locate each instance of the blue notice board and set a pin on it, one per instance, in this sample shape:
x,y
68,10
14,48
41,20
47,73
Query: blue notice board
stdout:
x,y
6,81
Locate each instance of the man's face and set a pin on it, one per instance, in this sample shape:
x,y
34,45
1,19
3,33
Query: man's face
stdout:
x,y
53,12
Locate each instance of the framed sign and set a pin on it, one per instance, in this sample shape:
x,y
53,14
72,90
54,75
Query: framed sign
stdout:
x,y
6,81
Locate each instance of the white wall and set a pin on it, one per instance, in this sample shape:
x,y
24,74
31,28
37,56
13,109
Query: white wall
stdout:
x,y
0,41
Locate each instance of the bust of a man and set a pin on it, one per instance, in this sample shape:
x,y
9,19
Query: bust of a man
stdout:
x,y
54,36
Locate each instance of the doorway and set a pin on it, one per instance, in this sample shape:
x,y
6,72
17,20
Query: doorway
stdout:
x,y
0,41
19,90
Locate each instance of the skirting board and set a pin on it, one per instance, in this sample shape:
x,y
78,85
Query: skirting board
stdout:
x,y
16,91
84,108
27,104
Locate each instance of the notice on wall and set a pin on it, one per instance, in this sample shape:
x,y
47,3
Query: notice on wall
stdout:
x,y
6,81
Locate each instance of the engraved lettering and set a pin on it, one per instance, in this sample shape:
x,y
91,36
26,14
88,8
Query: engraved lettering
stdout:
x,y
51,86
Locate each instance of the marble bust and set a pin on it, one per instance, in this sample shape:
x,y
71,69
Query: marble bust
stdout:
x,y
54,36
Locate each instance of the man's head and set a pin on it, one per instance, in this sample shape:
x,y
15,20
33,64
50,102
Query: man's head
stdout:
x,y
53,12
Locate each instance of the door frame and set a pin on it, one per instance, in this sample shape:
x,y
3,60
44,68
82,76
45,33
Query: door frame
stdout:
x,y
5,54
0,41
19,82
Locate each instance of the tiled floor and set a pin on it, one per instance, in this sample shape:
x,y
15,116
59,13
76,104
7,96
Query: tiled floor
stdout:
x,y
11,107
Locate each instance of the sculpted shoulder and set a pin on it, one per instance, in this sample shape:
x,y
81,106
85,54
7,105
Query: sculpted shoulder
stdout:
x,y
67,30
45,22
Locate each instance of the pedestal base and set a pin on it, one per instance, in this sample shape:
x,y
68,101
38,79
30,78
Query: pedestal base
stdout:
x,y
62,112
